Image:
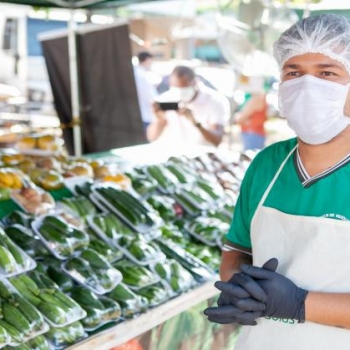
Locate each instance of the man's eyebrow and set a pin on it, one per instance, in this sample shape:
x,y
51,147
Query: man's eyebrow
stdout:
x,y
291,66
328,65
320,65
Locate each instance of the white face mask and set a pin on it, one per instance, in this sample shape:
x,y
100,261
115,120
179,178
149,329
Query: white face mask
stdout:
x,y
314,108
184,94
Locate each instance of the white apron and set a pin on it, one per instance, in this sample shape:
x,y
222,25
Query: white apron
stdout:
x,y
313,252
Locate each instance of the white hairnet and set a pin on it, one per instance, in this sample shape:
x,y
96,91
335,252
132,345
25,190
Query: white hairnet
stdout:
x,y
327,34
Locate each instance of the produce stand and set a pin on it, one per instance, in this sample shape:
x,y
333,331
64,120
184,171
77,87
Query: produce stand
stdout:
x,y
179,247
128,330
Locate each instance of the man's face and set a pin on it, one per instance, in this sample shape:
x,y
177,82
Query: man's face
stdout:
x,y
180,82
316,64
148,63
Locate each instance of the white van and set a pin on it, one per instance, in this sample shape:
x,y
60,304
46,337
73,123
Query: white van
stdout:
x,y
21,62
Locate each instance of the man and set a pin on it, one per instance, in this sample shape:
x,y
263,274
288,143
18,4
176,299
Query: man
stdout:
x,y
201,115
146,92
253,113
286,261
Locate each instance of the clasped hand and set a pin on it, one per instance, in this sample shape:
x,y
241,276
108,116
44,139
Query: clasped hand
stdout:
x,y
258,292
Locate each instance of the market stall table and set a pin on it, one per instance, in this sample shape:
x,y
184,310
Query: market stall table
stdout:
x,y
128,330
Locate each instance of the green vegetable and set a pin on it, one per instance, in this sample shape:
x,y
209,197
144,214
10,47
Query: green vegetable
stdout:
x,y
5,293
53,312
31,314
86,298
112,309
14,317
64,282
95,260
3,335
7,262
93,317
38,343
16,335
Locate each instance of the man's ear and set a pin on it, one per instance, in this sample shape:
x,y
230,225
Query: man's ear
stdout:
x,y
347,105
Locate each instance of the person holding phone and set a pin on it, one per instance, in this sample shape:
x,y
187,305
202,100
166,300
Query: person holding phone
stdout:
x,y
285,267
189,113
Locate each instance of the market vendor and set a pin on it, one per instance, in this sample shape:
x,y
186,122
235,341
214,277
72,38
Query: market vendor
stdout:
x,y
199,117
286,262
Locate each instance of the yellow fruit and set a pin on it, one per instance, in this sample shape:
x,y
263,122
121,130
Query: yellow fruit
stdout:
x,y
35,175
17,182
102,172
26,165
6,179
96,164
47,143
81,169
51,180
27,142
12,159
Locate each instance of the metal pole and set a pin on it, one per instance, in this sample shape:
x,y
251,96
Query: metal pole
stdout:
x,y
74,85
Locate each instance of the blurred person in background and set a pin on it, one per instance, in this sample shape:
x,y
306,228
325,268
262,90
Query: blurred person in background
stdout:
x,y
198,119
253,115
146,91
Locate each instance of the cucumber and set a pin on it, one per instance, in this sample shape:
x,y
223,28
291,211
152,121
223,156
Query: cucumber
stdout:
x,y
19,258
112,309
42,281
39,343
64,282
53,312
56,222
56,240
95,260
31,285
30,313
5,293
16,335
25,292
14,317
21,235
93,318
7,262
122,293
50,298
86,298
67,301
3,335
81,239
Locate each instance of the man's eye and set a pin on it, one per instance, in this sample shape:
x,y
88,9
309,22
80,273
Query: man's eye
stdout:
x,y
327,74
292,74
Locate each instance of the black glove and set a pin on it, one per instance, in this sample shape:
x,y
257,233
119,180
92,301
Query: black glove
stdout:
x,y
243,286
242,301
284,298
231,314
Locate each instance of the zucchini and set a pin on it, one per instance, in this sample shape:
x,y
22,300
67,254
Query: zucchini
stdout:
x,y
16,335
7,262
30,313
25,292
5,292
39,343
53,312
86,298
64,282
31,285
14,317
55,222
112,309
95,260
93,318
